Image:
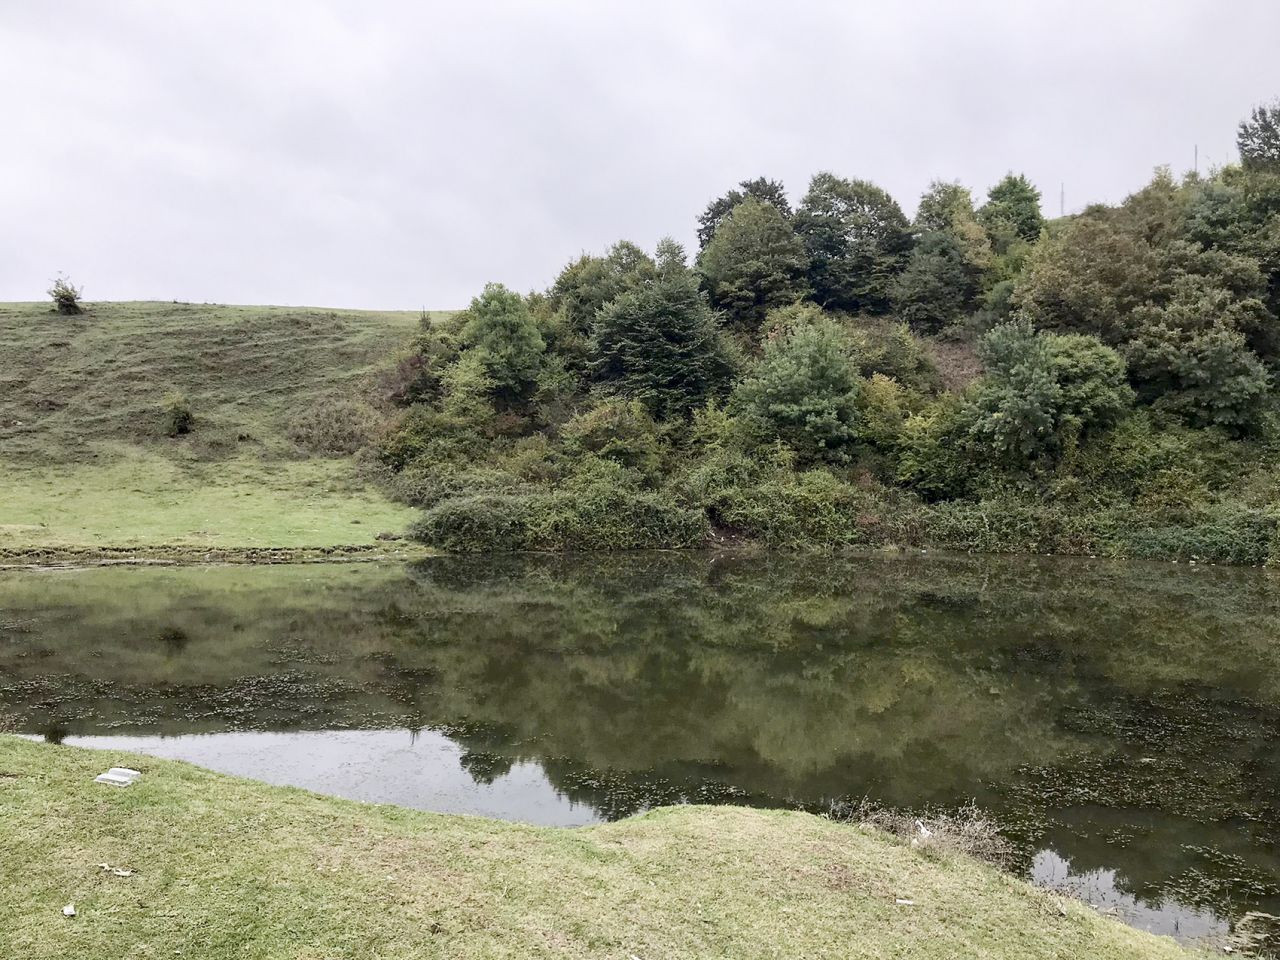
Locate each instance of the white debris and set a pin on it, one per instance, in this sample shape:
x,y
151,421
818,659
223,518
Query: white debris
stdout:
x,y
903,902
118,777
925,832
69,910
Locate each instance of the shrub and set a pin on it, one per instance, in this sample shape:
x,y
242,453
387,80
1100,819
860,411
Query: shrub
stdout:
x,y
486,523
334,426
804,393
66,296
176,418
425,485
617,430
596,516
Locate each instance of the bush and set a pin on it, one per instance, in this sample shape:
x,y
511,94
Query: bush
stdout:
x,y
335,426
66,296
487,523
804,392
592,517
176,418
617,430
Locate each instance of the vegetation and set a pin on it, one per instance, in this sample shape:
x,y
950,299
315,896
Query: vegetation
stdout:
x,y
65,295
279,397
315,876
837,374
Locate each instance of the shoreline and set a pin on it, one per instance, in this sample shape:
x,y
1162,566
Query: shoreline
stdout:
x,y
674,881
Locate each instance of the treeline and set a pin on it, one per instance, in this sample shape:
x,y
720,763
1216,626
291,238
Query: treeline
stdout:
x,y
839,374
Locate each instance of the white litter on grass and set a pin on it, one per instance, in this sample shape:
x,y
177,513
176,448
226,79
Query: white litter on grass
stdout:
x,y
118,777
904,902
118,871
69,910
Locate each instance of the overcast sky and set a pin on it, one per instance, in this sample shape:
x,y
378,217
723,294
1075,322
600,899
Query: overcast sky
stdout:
x,y
401,154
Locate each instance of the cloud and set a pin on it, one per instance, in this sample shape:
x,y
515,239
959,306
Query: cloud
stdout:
x,y
401,154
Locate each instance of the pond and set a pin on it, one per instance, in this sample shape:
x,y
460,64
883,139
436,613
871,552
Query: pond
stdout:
x,y
1119,721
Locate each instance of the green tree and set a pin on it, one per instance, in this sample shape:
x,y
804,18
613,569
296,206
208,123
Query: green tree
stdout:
x,y
938,285
755,262
588,283
1258,138
500,330
857,238
766,191
1013,206
1039,389
659,342
804,392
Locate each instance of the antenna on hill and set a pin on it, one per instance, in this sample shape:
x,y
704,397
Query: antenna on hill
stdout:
x,y
1062,199
1196,168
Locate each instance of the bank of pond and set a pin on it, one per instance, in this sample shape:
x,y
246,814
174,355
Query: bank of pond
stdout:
x,y
1118,721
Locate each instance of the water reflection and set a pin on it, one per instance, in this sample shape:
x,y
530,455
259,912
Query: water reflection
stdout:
x,y
1124,716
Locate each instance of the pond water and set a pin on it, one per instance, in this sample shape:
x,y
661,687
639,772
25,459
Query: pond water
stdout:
x,y
1119,721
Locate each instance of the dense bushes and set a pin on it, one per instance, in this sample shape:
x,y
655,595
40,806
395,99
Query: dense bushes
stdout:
x,y
977,379
595,516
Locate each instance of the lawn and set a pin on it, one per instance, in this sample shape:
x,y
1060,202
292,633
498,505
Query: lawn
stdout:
x,y
85,463
220,867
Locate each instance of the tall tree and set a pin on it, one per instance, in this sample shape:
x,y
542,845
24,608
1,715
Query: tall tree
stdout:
x,y
754,263
767,191
1012,210
659,342
857,238
1258,138
501,331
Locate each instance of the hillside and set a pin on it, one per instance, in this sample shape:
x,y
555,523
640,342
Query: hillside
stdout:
x,y
84,459
317,877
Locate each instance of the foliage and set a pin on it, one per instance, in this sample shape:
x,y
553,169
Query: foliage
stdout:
x,y
857,239
176,418
65,295
1042,389
1258,138
594,516
499,327
617,430
1103,383
659,343
334,426
938,285
755,262
804,392
762,190
1013,205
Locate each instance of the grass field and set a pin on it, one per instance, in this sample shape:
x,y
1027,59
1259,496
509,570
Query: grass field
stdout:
x,y
84,461
223,868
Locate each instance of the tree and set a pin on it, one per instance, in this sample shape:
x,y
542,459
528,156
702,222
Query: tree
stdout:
x,y
1013,205
804,392
938,285
588,283
1258,139
771,192
755,262
1041,388
659,342
1202,371
857,238
501,331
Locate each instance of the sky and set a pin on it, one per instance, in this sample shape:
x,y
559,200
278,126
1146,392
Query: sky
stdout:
x,y
402,154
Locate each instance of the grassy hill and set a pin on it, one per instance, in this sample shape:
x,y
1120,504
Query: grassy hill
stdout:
x,y
85,462
247,870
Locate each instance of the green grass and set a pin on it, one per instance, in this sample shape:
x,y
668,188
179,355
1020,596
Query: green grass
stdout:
x,y
84,463
226,868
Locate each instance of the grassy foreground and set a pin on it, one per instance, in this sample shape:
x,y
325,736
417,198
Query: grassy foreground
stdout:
x,y
85,468
223,867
